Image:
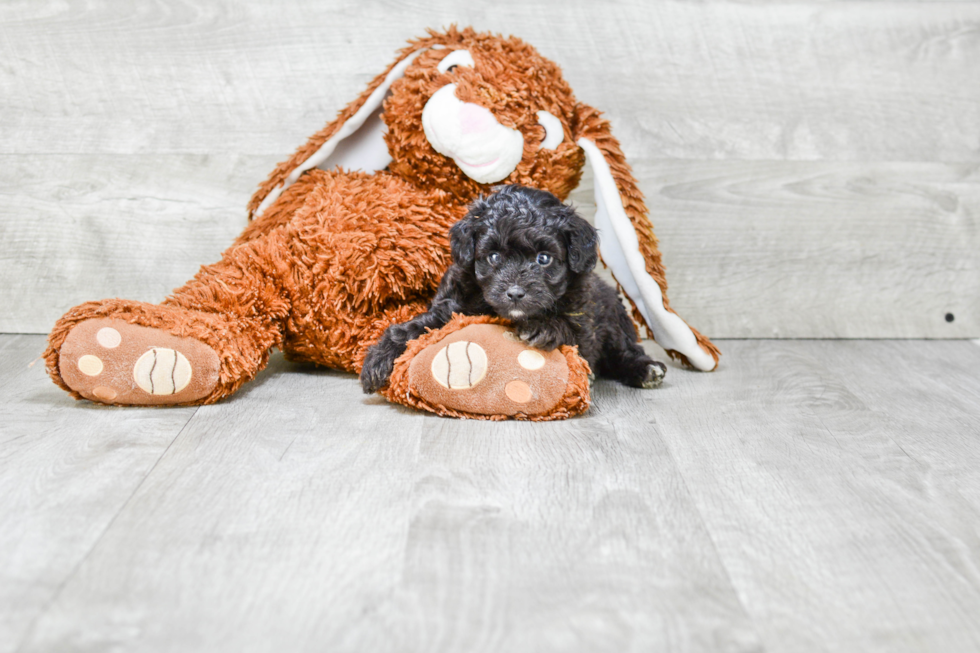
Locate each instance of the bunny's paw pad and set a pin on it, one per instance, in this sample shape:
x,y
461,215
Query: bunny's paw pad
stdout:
x,y
114,362
485,369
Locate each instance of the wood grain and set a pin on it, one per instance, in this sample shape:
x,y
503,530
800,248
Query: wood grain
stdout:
x,y
927,414
303,516
66,470
811,167
808,249
82,228
808,496
756,80
573,536
752,249
838,535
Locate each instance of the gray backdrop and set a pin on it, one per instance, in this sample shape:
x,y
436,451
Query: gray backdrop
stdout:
x,y
812,169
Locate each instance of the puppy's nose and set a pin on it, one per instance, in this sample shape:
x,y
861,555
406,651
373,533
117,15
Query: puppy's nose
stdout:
x,y
515,292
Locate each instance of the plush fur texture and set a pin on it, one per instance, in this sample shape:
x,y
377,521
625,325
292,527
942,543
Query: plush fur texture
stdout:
x,y
522,255
341,255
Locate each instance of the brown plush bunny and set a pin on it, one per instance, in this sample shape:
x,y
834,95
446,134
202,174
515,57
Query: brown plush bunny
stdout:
x,y
350,234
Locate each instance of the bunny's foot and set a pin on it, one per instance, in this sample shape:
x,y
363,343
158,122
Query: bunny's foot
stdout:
x,y
477,367
129,353
115,362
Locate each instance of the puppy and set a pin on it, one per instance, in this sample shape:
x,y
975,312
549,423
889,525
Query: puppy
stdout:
x,y
523,255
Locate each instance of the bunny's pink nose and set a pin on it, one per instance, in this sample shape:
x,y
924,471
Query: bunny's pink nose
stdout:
x,y
474,119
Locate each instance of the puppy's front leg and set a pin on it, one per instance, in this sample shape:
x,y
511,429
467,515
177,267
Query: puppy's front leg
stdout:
x,y
380,359
546,334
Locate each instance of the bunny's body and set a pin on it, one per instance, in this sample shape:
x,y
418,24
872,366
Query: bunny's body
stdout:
x,y
335,255
364,249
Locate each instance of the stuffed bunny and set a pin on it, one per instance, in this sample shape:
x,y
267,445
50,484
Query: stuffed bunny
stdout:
x,y
350,234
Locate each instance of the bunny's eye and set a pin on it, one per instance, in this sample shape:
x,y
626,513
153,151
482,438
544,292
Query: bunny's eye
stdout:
x,y
544,260
454,59
553,132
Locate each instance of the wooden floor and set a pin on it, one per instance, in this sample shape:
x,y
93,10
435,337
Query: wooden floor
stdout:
x,y
809,496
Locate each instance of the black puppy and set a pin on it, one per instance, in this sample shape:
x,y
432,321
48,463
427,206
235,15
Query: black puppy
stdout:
x,y
523,255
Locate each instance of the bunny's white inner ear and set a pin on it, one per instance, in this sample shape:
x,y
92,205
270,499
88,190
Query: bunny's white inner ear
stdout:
x,y
620,249
358,144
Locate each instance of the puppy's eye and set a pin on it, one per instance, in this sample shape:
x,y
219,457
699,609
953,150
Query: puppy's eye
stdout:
x,y
493,258
544,260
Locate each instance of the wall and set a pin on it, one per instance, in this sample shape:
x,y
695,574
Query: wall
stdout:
x,y
812,168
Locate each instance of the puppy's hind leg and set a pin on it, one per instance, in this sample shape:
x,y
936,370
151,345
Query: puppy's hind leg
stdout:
x,y
623,358
631,366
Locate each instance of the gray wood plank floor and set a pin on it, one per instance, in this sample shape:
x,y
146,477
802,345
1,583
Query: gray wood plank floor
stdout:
x,y
809,496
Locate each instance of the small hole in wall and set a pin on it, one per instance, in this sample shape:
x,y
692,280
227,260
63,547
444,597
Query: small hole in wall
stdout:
x,y
950,317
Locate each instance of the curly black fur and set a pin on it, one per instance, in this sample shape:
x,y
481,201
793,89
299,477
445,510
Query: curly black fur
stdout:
x,y
523,255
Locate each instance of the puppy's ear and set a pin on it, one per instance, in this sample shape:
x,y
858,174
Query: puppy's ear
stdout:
x,y
581,242
463,235
628,245
353,141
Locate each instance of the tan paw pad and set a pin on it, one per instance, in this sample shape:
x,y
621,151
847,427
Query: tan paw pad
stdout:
x,y
90,365
162,371
530,359
459,365
108,337
104,393
518,391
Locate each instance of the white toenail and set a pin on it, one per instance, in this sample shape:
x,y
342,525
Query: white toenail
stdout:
x,y
90,365
530,360
459,365
108,337
513,337
104,393
162,371
518,391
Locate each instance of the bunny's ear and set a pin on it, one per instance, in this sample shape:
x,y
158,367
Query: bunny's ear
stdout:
x,y
628,245
354,140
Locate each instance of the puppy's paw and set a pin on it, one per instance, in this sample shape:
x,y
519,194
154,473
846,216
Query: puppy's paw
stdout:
x,y
377,370
543,338
654,376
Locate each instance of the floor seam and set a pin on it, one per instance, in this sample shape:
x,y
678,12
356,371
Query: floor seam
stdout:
x,y
64,583
714,546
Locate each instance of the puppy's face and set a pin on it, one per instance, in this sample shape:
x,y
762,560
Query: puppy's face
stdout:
x,y
521,269
524,248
